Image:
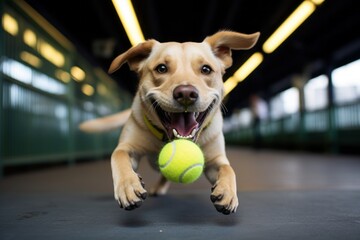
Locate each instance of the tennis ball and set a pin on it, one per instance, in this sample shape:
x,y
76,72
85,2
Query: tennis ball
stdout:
x,y
181,161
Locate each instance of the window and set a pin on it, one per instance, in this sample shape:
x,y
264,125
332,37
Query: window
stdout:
x,y
285,103
22,73
346,81
315,92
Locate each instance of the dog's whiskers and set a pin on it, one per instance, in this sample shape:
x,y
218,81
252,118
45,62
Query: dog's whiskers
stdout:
x,y
154,104
223,107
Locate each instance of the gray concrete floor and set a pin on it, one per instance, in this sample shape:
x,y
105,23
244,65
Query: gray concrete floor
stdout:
x,y
283,195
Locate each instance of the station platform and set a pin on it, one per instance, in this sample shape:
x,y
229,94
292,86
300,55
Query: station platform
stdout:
x,y
283,195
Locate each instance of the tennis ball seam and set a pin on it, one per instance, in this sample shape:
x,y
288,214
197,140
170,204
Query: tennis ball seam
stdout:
x,y
188,169
173,144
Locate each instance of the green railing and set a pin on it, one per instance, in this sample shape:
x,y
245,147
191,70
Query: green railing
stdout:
x,y
333,130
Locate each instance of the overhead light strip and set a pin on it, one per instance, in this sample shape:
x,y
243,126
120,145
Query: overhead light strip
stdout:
x,y
248,67
243,72
125,10
229,85
301,13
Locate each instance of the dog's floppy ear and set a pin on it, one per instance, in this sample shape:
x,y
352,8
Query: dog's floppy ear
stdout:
x,y
222,42
134,56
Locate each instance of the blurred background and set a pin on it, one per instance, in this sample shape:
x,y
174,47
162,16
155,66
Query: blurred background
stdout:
x,y
298,89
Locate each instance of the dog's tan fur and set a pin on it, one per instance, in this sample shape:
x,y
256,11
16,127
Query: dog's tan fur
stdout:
x,y
184,67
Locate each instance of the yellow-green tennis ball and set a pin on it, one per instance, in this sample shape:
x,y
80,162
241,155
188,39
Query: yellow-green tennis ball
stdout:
x,y
181,161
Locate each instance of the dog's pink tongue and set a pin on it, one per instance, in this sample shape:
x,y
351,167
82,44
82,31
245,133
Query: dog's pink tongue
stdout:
x,y
183,123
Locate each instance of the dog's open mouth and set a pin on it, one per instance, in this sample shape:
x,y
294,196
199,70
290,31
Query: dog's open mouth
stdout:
x,y
184,125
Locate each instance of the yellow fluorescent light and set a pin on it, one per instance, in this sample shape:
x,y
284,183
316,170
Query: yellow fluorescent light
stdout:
x,y
125,10
30,59
318,2
51,54
77,73
304,10
10,24
62,75
87,89
30,38
229,85
248,66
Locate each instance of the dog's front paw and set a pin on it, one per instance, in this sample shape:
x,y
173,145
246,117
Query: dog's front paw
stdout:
x,y
130,192
224,198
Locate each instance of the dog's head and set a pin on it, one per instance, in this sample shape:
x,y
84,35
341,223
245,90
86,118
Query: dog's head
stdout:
x,y
181,84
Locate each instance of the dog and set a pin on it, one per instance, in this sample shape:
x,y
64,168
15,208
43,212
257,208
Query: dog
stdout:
x,y
179,95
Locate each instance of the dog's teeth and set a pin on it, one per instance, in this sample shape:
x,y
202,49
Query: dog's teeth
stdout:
x,y
177,135
196,114
194,132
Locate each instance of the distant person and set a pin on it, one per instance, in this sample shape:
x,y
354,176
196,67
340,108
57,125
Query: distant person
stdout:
x,y
259,111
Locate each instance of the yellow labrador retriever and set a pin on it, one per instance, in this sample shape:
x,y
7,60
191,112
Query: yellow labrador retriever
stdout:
x,y
179,96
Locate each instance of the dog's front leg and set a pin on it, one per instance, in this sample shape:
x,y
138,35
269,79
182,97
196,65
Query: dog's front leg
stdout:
x,y
128,186
222,176
223,192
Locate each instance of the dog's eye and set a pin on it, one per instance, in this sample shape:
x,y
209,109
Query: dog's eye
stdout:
x,y
206,69
161,68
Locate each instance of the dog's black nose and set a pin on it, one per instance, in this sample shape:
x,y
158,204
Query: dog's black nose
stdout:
x,y
186,95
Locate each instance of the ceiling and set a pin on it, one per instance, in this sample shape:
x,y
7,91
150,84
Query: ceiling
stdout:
x,y
330,35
